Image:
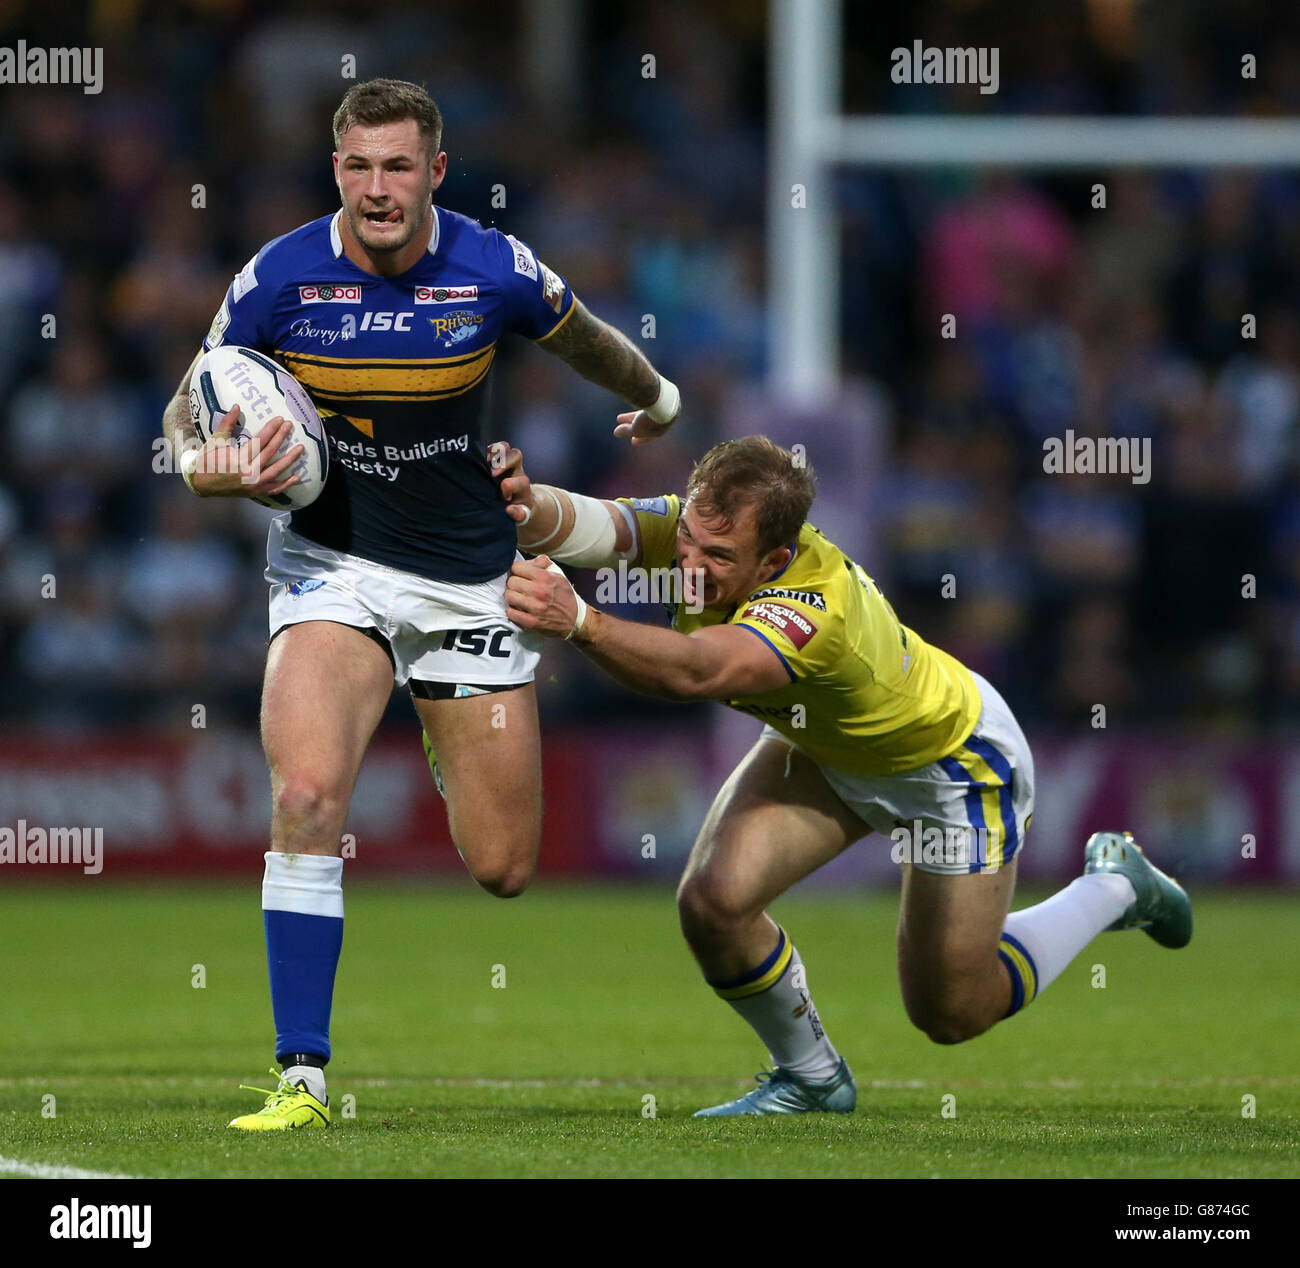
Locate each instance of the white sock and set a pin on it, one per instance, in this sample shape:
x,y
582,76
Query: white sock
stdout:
x,y
784,1016
1055,931
312,1075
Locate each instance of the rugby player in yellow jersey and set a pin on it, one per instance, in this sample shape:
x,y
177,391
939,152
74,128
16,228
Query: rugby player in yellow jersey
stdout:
x,y
868,727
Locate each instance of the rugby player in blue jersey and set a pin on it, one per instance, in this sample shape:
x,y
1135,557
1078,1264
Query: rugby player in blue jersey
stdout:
x,y
389,311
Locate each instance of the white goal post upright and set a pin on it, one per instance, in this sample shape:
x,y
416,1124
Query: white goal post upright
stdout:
x,y
809,137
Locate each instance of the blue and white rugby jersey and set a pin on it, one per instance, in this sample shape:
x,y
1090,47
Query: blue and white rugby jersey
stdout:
x,y
397,367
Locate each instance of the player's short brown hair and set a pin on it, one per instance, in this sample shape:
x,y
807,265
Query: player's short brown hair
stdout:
x,y
753,471
389,101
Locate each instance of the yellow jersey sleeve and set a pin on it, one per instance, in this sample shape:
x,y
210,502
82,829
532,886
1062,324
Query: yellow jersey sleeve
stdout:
x,y
656,527
796,624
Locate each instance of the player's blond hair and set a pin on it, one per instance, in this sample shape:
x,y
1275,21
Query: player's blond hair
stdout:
x,y
753,471
380,101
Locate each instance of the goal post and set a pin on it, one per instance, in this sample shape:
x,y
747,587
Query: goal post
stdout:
x,y
809,137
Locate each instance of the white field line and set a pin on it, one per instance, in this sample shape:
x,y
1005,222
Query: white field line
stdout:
x,y
54,1171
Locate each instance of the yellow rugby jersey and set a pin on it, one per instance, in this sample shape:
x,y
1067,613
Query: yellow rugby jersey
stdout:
x,y
870,696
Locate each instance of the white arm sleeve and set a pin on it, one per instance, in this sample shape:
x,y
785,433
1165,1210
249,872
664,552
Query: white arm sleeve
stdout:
x,y
590,544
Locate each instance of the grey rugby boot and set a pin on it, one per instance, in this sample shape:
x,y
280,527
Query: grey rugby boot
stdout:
x,y
1162,909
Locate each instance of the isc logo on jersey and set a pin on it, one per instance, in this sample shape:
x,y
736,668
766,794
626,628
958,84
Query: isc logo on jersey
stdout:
x,y
386,321
330,293
445,294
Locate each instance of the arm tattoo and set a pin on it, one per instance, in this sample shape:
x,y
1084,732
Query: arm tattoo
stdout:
x,y
605,356
177,427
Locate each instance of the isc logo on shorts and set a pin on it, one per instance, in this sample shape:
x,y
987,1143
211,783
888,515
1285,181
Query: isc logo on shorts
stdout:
x,y
444,294
330,293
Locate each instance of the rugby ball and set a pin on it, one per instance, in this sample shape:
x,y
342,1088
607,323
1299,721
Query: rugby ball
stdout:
x,y
263,390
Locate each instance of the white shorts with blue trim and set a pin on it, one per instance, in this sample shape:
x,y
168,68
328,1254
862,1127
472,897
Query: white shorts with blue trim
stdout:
x,y
439,634
967,812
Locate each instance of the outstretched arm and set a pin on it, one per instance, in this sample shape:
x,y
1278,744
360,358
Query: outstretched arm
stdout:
x,y
575,529
608,358
720,662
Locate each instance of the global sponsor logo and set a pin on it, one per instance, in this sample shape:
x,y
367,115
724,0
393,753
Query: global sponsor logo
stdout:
x,y
456,327
445,294
651,506
330,293
810,597
785,620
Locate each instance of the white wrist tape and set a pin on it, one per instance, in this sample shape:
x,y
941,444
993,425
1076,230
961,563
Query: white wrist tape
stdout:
x,y
667,404
590,543
189,463
536,547
579,619
577,598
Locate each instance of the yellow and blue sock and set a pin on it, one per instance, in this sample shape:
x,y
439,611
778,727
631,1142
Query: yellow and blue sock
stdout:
x,y
1038,942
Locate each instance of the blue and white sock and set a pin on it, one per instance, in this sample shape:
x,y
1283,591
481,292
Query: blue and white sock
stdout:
x,y
302,910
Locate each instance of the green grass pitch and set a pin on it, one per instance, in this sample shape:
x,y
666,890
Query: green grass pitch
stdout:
x,y
601,1009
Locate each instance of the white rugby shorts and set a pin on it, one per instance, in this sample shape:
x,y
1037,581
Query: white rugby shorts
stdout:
x,y
967,812
444,638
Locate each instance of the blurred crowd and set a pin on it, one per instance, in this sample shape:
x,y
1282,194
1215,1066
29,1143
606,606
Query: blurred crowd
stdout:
x,y
123,216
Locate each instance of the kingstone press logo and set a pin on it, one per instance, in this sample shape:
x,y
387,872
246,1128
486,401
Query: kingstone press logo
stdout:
x,y
23,64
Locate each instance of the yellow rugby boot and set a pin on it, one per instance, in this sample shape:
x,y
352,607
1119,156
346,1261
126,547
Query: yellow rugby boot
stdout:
x,y
288,1106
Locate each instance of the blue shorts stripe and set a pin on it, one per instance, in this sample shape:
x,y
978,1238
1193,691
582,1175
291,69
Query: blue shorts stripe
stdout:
x,y
999,764
1001,767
